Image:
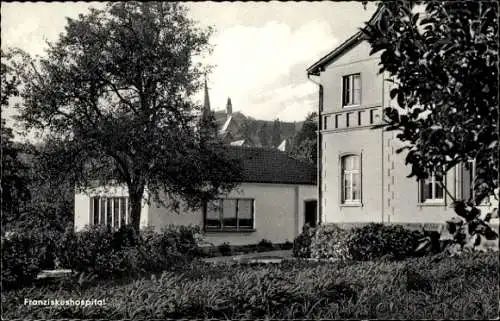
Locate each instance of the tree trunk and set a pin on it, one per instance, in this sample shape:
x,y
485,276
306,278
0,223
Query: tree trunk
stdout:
x,y
136,194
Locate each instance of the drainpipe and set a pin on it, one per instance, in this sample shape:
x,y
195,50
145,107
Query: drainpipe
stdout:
x,y
319,157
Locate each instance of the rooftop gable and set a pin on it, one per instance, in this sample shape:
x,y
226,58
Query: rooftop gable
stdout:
x,y
352,41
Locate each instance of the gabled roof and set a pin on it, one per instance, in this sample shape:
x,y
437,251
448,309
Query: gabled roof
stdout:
x,y
272,166
352,41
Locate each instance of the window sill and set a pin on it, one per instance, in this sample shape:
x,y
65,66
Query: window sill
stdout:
x,y
351,106
433,203
351,205
214,231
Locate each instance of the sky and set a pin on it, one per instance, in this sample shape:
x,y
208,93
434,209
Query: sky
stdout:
x,y
261,50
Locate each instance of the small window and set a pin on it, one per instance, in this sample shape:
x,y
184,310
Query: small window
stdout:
x,y
351,90
325,122
111,211
337,117
431,189
351,179
230,215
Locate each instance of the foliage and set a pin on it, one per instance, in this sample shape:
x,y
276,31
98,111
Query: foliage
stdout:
x,y
104,252
330,242
263,136
443,66
276,133
15,177
114,94
420,288
20,259
374,241
305,142
225,249
265,245
302,243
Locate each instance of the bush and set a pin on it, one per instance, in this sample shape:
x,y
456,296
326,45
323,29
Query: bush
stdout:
x,y
225,249
264,245
100,250
376,240
330,242
302,243
20,260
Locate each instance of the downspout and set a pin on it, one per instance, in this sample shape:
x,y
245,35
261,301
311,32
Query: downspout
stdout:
x,y
319,157
383,155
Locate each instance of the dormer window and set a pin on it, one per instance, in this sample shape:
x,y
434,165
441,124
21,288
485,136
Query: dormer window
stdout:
x,y
351,90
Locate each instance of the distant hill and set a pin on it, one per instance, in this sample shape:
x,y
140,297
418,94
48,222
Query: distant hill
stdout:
x,y
238,129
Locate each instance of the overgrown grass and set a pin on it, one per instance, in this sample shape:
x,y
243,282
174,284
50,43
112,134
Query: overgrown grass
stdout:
x,y
433,287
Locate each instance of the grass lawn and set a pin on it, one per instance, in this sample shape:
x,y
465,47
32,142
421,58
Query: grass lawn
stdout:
x,y
421,288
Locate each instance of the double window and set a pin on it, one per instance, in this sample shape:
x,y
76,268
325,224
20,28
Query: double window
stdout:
x,y
235,214
431,189
111,211
351,90
351,179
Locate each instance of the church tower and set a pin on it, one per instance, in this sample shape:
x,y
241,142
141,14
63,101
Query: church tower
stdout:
x,y
206,104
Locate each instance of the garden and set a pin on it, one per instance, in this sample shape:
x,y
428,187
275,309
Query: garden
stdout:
x,y
368,272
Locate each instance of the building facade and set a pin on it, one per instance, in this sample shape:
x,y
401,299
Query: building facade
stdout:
x,y
275,199
361,177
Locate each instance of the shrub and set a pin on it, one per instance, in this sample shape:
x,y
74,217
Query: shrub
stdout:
x,y
225,249
100,250
265,245
376,240
330,242
20,260
302,243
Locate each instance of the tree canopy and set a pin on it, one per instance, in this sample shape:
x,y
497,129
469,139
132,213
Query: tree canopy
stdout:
x,y
305,142
114,97
443,65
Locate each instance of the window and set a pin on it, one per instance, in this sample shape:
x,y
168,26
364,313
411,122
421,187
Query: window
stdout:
x,y
351,179
325,122
351,90
230,215
431,189
112,211
468,180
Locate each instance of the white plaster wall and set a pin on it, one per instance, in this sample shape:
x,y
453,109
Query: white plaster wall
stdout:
x,y
277,218
82,204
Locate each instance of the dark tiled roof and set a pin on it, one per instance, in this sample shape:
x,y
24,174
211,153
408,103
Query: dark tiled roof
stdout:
x,y
272,166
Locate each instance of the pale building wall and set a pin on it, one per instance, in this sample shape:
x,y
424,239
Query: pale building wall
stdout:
x,y
82,204
388,195
277,214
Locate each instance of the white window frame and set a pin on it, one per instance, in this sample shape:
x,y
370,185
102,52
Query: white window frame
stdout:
x,y
472,173
237,228
434,184
350,79
102,203
349,199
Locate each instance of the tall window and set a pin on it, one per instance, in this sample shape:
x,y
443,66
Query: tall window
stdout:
x,y
230,215
112,211
351,179
351,90
431,189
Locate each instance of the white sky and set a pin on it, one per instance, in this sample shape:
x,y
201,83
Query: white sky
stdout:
x,y
261,50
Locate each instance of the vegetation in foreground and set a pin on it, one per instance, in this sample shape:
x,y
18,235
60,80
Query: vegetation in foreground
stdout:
x,y
418,288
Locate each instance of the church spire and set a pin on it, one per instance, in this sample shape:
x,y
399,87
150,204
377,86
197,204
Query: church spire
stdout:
x,y
206,104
